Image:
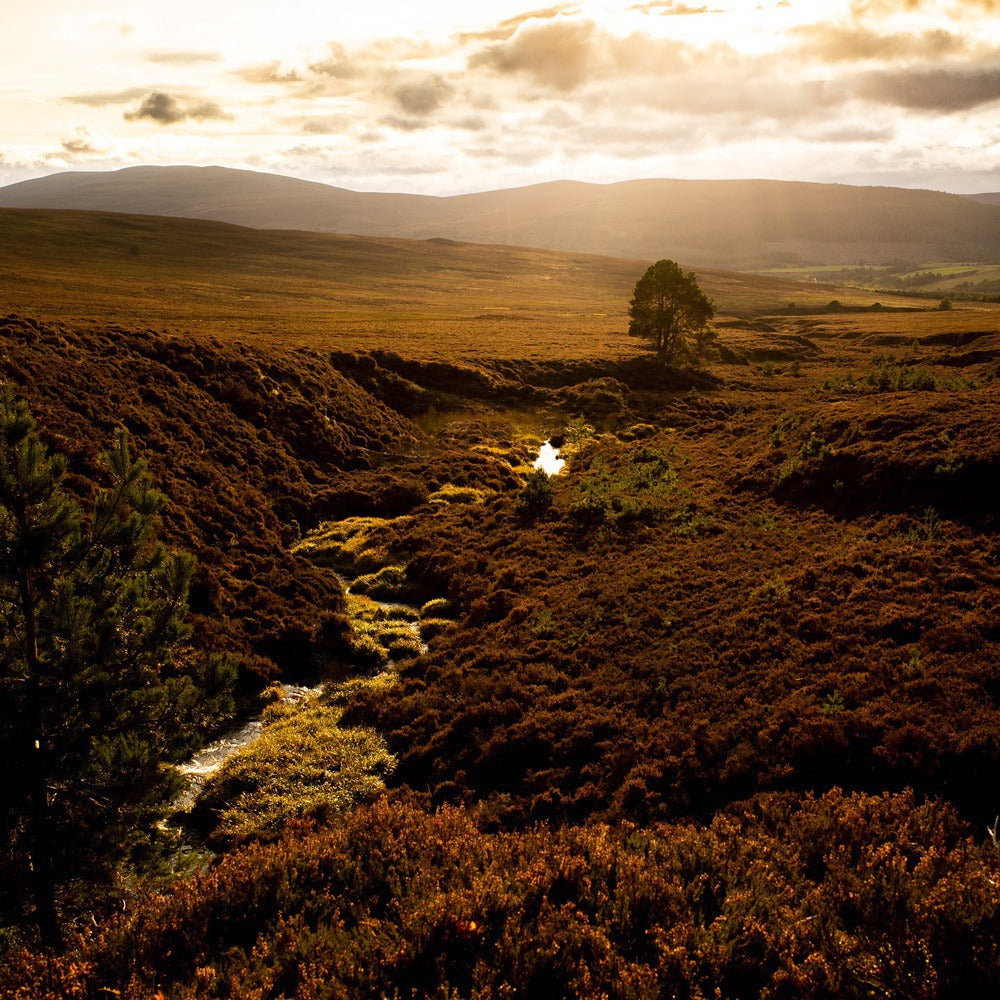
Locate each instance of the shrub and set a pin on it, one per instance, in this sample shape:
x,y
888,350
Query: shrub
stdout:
x,y
839,896
537,494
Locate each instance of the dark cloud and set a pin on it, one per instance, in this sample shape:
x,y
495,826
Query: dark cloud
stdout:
x,y
182,57
557,54
933,89
844,43
78,145
402,124
421,95
269,72
853,133
470,123
165,109
105,98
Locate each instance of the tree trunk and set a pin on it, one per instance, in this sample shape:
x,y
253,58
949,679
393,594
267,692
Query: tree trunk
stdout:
x,y
42,881
40,821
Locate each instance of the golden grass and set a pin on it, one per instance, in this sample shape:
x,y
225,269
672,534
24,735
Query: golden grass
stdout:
x,y
427,299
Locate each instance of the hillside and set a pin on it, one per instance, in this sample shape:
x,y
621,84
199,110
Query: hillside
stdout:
x,y
709,709
427,298
987,198
735,224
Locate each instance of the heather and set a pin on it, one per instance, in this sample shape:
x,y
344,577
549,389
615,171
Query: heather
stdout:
x,y
831,897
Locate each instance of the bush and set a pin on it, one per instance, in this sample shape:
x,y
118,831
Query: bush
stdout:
x,y
813,899
537,494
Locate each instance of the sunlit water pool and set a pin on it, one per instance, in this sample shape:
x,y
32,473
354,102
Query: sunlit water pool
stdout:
x,y
548,460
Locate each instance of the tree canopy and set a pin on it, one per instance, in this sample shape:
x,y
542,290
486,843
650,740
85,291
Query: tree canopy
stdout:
x,y
670,309
93,703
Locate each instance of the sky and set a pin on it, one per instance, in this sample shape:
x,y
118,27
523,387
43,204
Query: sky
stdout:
x,y
441,97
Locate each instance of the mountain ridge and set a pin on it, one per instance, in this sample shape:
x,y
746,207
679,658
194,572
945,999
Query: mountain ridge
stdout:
x,y
722,223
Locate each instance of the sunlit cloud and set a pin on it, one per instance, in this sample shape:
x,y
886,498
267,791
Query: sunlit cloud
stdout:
x,y
461,100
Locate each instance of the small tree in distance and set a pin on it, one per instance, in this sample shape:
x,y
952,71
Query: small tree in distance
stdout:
x,y
670,309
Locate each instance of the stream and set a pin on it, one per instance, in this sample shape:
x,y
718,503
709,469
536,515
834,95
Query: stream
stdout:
x,y
210,758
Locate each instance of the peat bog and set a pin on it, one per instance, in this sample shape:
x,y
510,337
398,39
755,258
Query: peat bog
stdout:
x,y
715,711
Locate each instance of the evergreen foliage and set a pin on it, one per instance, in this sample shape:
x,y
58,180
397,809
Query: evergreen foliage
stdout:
x,y
669,309
93,705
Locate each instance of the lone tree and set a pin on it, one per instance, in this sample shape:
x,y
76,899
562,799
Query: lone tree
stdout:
x,y
93,706
670,309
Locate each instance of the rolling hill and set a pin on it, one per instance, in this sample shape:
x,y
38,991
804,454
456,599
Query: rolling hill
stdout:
x,y
733,224
987,197
429,297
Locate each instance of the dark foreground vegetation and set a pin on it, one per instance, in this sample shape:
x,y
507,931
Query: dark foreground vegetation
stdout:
x,y
715,712
840,897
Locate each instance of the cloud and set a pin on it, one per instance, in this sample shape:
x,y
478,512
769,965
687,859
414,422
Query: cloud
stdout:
x,y
556,53
402,124
336,64
269,72
671,8
421,95
506,28
325,125
182,57
853,134
841,43
945,90
87,142
165,109
103,99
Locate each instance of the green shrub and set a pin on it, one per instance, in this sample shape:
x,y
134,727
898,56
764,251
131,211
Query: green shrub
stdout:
x,y
537,494
626,486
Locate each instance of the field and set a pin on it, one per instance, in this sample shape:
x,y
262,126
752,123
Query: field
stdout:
x,y
966,280
713,712
426,299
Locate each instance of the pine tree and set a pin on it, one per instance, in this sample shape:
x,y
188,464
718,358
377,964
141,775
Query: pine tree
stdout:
x,y
670,309
93,705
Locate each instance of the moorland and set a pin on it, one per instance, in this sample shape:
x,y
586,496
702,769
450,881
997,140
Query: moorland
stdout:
x,y
713,712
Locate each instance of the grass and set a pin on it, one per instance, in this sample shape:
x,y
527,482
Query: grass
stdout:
x,y
302,763
346,546
424,298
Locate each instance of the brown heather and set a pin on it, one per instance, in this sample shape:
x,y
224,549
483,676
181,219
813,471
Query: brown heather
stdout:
x,y
720,718
837,897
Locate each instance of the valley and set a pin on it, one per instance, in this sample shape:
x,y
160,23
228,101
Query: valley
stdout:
x,y
712,705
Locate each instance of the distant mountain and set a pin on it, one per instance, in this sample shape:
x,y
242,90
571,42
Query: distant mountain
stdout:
x,y
988,198
742,224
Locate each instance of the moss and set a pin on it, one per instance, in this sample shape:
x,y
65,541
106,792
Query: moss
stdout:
x,y
438,607
388,584
346,546
431,627
382,633
449,494
303,762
